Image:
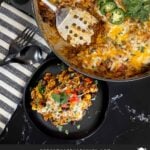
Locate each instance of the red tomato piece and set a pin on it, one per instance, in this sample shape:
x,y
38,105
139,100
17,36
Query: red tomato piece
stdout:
x,y
88,80
74,98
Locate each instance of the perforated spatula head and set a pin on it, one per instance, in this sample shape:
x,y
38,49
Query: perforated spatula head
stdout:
x,y
74,24
77,27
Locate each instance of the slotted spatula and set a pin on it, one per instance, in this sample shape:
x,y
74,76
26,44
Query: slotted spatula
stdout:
x,y
73,24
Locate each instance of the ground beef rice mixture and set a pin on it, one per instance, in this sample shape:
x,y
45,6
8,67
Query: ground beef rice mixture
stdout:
x,y
63,98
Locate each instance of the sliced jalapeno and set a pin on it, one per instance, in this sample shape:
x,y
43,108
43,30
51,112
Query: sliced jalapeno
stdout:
x,y
102,2
117,16
108,7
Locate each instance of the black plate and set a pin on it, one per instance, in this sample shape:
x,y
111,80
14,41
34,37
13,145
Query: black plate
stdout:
x,y
90,123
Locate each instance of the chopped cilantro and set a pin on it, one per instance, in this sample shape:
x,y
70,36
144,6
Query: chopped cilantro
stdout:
x,y
137,9
141,49
60,128
63,67
78,127
60,98
41,88
95,81
63,98
102,2
56,97
66,132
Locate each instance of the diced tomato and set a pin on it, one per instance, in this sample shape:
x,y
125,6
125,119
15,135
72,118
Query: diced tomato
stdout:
x,y
88,80
74,98
57,91
68,91
80,88
74,93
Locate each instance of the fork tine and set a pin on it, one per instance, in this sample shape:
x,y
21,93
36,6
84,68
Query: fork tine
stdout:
x,y
29,36
26,33
14,46
29,39
21,35
22,40
25,37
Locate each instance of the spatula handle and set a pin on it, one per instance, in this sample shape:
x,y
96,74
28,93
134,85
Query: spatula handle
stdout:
x,y
50,5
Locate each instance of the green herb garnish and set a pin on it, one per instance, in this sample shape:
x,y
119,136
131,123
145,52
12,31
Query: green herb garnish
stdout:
x,y
56,97
96,81
102,2
63,98
41,88
60,98
137,9
63,67
60,128
142,48
78,127
66,132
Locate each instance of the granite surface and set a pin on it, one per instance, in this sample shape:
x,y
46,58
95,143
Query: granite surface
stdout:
x,y
127,120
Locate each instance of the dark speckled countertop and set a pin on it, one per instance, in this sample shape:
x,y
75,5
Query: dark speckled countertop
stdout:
x,y
127,120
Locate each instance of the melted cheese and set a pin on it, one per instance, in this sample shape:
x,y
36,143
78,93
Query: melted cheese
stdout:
x,y
124,47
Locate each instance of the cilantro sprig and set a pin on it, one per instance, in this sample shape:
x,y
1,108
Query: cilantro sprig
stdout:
x,y
61,98
137,9
41,88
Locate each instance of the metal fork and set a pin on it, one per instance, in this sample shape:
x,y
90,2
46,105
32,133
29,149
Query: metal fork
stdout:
x,y
20,42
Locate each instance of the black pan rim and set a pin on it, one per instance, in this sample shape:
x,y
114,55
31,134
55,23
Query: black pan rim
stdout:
x,y
104,110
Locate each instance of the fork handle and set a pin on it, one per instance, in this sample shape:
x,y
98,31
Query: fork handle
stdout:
x,y
13,60
50,5
4,63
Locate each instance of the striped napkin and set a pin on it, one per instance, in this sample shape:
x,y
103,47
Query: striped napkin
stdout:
x,y
13,77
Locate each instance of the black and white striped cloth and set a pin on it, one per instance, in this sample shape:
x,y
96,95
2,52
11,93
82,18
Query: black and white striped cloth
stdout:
x,y
13,77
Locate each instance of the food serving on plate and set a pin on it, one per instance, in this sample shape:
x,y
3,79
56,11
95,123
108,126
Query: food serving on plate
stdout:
x,y
63,98
121,45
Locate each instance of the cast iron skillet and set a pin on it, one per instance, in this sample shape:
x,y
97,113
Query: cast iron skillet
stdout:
x,y
91,122
49,33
